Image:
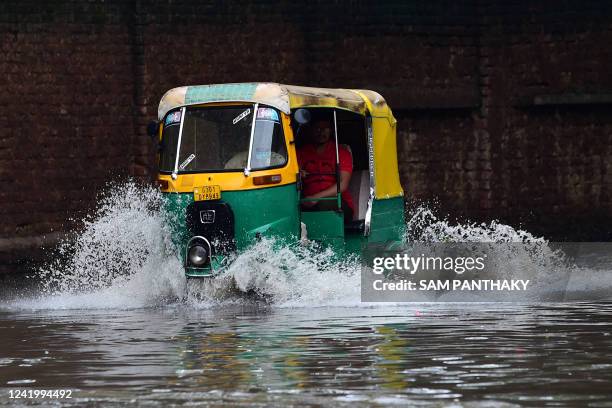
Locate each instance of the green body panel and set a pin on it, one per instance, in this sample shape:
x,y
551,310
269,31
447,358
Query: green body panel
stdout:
x,y
354,243
388,223
271,211
274,212
326,227
174,206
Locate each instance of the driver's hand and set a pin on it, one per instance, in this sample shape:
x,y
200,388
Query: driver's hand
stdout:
x,y
303,173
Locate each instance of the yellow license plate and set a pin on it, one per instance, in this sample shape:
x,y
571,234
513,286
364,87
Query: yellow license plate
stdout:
x,y
206,193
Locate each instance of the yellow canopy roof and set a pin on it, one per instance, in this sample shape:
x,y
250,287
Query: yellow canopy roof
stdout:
x,y
283,97
287,97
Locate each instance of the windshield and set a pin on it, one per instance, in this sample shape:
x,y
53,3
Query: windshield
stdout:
x,y
218,139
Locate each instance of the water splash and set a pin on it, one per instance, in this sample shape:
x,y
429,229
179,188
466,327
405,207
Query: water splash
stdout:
x,y
512,254
423,225
123,257
296,275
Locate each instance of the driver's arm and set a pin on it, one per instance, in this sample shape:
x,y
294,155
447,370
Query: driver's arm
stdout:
x,y
331,191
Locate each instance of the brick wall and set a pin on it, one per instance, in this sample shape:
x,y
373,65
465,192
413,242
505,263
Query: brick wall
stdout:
x,y
503,108
66,108
550,142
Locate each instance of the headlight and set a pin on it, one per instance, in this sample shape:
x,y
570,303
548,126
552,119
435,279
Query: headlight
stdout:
x,y
198,255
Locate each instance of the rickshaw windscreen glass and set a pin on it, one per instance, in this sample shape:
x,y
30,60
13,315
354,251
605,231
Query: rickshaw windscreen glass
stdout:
x,y
217,139
269,148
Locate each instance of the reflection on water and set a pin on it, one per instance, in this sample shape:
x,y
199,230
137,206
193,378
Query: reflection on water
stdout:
x,y
438,354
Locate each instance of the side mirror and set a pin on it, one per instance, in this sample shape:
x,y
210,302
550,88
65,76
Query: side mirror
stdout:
x,y
152,129
302,116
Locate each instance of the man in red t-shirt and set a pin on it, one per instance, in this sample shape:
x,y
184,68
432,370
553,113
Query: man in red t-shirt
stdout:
x,y
317,162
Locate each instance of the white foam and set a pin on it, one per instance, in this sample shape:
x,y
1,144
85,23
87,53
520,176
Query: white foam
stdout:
x,y
122,258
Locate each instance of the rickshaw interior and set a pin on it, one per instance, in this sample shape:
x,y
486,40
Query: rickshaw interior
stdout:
x,y
352,134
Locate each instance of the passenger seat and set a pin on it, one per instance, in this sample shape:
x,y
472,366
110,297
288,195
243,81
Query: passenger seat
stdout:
x,y
359,188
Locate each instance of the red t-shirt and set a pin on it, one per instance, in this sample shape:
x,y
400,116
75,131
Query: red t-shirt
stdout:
x,y
324,162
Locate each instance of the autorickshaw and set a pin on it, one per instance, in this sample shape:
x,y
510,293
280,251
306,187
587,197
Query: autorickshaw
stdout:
x,y
228,168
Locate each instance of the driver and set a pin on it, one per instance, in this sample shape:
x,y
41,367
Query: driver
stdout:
x,y
317,161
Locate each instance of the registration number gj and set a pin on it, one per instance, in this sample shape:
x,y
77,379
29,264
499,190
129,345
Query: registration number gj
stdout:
x,y
206,193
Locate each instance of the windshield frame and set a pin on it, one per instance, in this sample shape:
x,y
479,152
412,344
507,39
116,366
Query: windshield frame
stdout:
x,y
178,143
246,170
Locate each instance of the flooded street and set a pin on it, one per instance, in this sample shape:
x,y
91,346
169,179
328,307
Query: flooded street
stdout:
x,y
470,354
113,329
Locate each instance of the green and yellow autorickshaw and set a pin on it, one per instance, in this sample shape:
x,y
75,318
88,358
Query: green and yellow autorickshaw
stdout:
x,y
229,171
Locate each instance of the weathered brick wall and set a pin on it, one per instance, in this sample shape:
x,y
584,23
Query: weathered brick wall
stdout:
x,y
66,110
550,161
494,99
66,105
